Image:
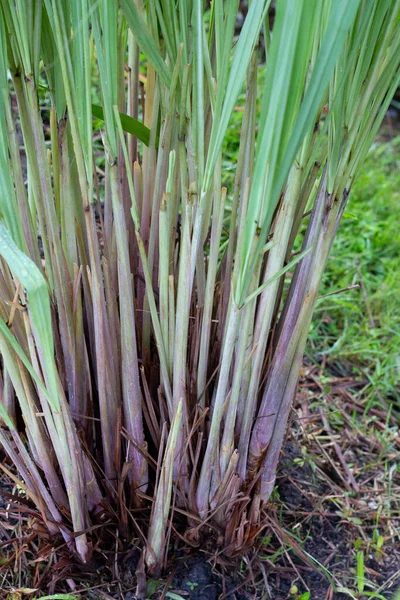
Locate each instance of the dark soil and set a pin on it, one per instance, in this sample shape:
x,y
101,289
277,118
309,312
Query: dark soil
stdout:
x,y
316,525
324,560
325,537
195,578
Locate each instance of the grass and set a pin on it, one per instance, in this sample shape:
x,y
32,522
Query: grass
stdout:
x,y
354,334
359,329
155,349
362,517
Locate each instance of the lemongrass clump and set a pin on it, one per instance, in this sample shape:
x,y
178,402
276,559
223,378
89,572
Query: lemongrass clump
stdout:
x,y
149,342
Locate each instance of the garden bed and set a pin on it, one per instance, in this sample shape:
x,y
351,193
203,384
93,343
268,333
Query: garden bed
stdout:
x,y
322,517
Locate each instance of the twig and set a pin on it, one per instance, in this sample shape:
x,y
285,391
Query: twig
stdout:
x,y
366,300
339,452
350,287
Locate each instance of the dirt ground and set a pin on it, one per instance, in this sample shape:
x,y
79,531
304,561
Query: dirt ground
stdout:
x,y
337,501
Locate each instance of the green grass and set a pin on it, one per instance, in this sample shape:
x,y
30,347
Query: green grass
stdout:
x,y
366,251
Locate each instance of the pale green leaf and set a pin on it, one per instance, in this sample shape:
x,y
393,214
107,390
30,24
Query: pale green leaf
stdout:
x,y
144,39
38,302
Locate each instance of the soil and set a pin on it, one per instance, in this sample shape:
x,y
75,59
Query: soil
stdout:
x,y
326,538
329,538
317,524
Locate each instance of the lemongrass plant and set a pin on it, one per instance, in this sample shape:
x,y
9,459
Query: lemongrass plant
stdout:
x,y
150,347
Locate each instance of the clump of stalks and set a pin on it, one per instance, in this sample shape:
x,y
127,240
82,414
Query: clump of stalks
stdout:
x,y
150,347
